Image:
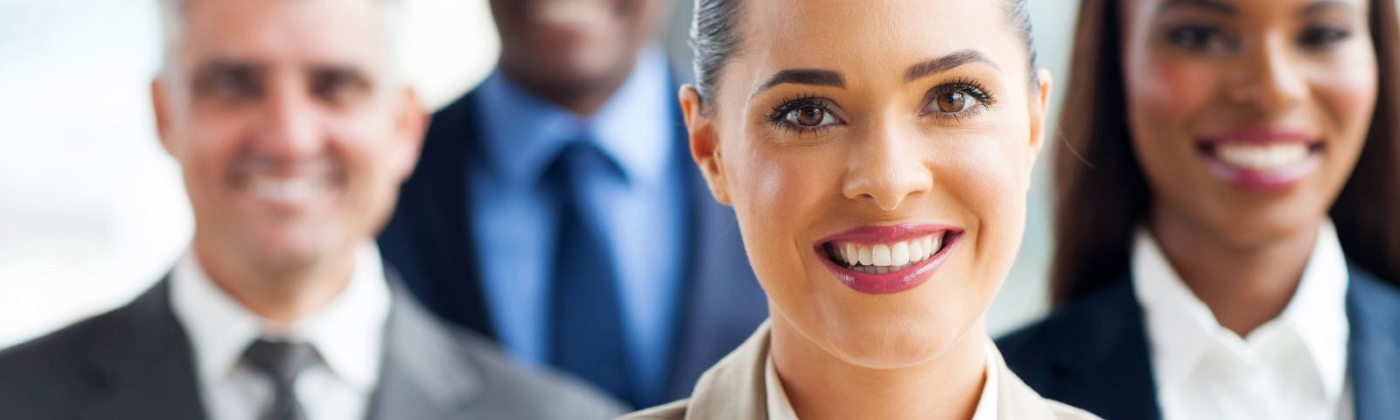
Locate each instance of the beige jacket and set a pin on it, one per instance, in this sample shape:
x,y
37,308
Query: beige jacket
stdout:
x,y
734,390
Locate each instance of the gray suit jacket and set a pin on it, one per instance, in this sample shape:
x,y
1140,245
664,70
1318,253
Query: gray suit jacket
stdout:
x,y
135,363
735,389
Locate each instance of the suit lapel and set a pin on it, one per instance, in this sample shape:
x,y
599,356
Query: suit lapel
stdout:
x,y
144,368
1101,361
424,376
1373,307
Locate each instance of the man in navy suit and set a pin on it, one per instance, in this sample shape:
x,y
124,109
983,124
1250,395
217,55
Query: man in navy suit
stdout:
x,y
557,210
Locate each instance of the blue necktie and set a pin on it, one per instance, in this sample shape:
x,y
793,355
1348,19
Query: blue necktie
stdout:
x,y
586,336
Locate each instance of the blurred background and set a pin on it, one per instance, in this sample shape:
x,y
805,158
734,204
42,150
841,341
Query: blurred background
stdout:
x,y
92,211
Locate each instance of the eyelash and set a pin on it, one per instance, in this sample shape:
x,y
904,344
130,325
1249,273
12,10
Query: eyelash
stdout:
x,y
964,85
778,116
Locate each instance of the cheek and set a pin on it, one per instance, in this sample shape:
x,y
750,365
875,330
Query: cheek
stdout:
x,y
986,177
1165,93
1347,93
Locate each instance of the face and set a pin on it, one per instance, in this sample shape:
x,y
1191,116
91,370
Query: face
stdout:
x,y
879,173
291,134
1248,115
570,45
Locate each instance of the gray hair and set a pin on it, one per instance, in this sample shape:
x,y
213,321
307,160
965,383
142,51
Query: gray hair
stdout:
x,y
172,21
714,38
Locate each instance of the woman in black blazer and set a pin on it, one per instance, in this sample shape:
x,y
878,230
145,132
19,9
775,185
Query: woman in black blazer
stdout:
x,y
1228,228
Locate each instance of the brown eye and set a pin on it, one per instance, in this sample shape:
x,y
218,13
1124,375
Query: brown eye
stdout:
x,y
953,102
810,116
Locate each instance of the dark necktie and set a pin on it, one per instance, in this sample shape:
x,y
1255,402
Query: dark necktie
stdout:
x,y
586,336
281,362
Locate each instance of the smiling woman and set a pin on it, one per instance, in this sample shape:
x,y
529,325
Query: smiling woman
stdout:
x,y
1227,245
877,156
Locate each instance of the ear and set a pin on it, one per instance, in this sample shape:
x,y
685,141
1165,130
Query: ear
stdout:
x,y
1039,113
410,125
161,106
704,143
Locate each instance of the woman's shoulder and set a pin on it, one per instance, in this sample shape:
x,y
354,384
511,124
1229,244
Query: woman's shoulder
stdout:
x,y
1064,411
673,411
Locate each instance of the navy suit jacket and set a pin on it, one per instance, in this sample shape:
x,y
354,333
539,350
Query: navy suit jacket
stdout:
x,y
429,240
1092,352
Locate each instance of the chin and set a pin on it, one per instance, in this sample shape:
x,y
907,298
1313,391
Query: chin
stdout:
x,y
887,342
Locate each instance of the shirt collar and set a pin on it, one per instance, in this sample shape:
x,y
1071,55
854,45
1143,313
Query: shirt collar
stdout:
x,y
634,128
1181,326
348,333
780,408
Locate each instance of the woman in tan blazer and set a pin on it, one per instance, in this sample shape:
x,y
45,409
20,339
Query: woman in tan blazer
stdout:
x,y
878,156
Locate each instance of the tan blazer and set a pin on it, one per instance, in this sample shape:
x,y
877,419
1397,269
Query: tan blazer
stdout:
x,y
734,390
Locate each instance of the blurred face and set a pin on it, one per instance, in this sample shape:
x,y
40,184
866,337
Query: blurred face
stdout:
x,y
292,138
879,172
1248,115
573,46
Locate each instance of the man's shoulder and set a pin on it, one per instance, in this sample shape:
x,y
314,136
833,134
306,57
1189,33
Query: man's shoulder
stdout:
x,y
41,378
526,392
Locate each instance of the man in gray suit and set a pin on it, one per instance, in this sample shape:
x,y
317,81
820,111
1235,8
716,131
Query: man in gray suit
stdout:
x,y
293,134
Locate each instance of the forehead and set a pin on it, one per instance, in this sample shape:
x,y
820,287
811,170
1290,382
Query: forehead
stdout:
x,y
1249,7
876,36
285,31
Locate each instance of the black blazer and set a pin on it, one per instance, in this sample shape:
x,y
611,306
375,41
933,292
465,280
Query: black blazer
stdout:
x,y
136,363
1092,352
429,239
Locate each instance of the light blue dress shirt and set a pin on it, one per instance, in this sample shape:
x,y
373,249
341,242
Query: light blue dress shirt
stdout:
x,y
514,219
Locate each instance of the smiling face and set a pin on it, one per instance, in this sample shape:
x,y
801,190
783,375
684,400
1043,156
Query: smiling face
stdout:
x,y
879,172
572,48
292,137
1247,115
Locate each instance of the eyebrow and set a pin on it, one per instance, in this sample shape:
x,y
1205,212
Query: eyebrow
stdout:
x,y
1322,6
1213,5
947,62
824,77
814,77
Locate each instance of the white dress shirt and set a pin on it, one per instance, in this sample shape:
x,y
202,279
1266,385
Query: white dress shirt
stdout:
x,y
780,408
347,333
1292,367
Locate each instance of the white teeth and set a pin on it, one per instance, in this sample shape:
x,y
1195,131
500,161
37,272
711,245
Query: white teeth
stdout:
x,y
286,190
899,253
889,257
880,255
1262,157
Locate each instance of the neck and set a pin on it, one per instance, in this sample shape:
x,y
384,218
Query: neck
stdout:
x,y
583,97
1243,284
279,295
822,386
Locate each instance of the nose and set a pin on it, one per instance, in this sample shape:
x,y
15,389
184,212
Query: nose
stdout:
x,y
290,125
1269,79
884,169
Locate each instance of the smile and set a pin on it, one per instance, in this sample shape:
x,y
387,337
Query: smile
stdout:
x,y
1262,160
887,259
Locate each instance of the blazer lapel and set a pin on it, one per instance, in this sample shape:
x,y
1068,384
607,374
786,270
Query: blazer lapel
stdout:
x,y
144,365
734,388
1373,306
1101,361
423,376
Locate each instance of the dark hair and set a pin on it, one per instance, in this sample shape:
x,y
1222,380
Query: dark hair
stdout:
x,y
714,38
1102,194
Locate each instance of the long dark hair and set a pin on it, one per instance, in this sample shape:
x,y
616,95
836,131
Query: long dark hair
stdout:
x,y
1102,194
